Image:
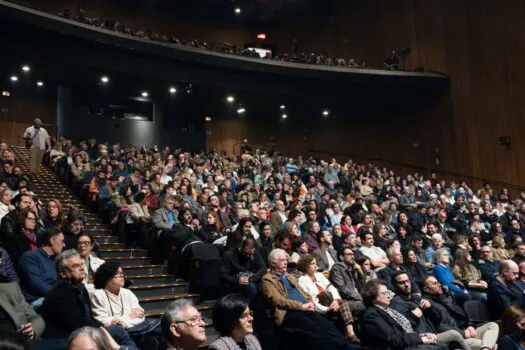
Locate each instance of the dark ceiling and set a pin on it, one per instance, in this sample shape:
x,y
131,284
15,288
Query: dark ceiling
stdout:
x,y
253,11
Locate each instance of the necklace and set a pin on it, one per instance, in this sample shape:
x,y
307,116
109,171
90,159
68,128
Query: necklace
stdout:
x,y
111,308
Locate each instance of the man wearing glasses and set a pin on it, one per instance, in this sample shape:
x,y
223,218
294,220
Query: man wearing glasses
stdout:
x,y
487,265
68,306
183,326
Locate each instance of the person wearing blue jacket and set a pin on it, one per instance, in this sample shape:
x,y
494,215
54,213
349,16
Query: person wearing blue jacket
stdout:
x,y
37,269
444,275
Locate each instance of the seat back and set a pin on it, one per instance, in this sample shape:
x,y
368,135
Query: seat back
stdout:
x,y
476,311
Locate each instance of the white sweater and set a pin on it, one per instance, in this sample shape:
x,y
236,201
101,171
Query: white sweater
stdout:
x,y
310,287
107,307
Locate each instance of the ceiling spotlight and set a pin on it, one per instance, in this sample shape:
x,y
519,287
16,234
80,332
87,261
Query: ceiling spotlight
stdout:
x,y
326,112
14,78
230,99
172,90
241,110
238,10
39,83
104,79
284,116
208,119
144,94
282,107
26,68
6,93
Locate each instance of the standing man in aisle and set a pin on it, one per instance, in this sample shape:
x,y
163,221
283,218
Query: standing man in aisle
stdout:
x,y
37,140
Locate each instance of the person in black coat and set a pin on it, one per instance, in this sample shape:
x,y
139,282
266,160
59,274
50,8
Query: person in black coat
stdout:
x,y
24,237
8,225
68,306
242,269
384,328
184,236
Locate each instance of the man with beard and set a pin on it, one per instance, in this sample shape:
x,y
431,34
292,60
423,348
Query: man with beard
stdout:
x,y
452,316
75,226
422,316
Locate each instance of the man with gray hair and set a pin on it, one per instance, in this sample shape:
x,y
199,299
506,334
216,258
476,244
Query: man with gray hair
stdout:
x,y
302,327
68,306
37,140
183,326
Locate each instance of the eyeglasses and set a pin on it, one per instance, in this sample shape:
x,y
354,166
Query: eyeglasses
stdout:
x,y
193,321
31,219
84,243
384,293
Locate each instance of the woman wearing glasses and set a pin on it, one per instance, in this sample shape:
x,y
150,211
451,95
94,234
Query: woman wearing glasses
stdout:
x,y
115,305
233,319
84,246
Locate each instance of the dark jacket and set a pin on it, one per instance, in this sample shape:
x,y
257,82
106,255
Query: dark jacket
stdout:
x,y
233,262
418,271
67,308
38,274
489,269
345,280
405,304
500,296
379,331
16,244
7,269
8,225
451,316
184,235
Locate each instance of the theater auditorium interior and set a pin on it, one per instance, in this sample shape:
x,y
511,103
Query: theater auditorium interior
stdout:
x,y
262,174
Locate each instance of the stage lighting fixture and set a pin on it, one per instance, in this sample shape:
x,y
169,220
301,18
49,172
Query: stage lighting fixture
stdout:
x,y
14,78
39,83
26,68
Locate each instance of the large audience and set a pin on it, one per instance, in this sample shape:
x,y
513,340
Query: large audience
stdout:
x,y
327,254
226,48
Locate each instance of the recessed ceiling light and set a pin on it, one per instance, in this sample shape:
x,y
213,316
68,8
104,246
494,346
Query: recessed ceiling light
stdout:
x,y
237,10
6,93
26,68
241,110
14,78
40,83
282,107
326,112
144,94
284,116
208,119
104,79
230,99
172,90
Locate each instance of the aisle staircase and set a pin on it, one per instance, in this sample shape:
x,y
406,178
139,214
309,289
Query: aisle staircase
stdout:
x,y
152,285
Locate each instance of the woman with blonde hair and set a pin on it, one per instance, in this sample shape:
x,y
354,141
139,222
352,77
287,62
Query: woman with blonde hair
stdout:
x,y
498,247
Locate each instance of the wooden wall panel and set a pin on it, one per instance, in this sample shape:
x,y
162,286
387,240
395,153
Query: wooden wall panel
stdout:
x,y
18,111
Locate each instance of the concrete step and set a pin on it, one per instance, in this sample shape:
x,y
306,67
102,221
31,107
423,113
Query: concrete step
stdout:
x,y
161,302
144,269
105,239
144,280
121,252
152,290
105,246
126,260
205,309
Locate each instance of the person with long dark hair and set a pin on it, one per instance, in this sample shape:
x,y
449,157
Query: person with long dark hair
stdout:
x,y
233,319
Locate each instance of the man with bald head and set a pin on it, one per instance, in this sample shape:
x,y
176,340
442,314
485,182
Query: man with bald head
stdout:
x,y
503,290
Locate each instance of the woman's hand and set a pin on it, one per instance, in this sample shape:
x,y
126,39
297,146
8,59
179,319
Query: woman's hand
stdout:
x,y
137,313
334,306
